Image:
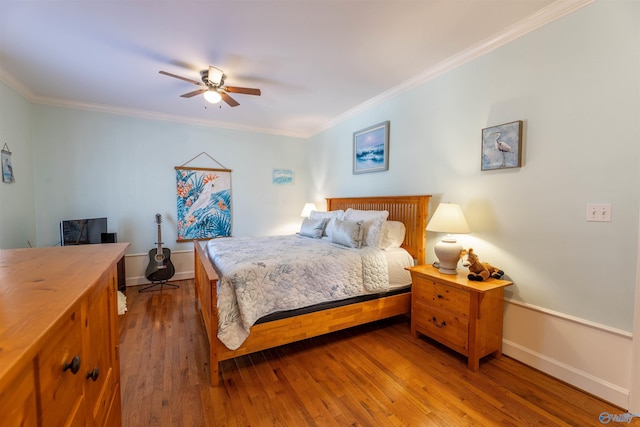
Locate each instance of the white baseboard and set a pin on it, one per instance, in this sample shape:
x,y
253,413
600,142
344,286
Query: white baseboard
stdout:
x,y
136,265
142,280
591,357
580,379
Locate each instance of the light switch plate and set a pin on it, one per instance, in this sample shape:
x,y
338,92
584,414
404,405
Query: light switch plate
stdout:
x,y
599,212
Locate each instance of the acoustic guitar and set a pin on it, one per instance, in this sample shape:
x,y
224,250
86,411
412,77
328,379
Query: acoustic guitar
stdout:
x,y
160,268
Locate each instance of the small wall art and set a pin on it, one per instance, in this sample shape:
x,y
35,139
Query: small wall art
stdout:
x,y
7,169
371,149
502,146
282,176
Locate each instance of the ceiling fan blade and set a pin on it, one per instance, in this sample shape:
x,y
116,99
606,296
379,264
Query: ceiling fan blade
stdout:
x,y
182,78
194,93
243,90
229,100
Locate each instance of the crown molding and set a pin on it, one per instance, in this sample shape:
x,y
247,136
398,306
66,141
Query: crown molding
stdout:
x,y
16,85
21,89
554,11
152,115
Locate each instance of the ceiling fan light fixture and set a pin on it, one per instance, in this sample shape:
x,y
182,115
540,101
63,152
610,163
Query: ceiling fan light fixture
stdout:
x,y
212,96
213,88
215,76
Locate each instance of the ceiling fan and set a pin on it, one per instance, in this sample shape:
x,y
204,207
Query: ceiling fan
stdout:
x,y
213,88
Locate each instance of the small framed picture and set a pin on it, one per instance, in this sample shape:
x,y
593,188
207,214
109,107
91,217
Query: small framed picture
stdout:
x,y
282,176
502,146
371,149
7,169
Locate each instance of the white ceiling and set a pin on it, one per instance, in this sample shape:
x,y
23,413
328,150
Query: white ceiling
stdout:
x,y
316,61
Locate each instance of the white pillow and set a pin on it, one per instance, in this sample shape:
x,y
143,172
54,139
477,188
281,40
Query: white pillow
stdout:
x,y
330,216
313,227
348,233
372,222
392,234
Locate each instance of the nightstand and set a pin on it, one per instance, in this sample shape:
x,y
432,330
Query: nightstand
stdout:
x,y
464,315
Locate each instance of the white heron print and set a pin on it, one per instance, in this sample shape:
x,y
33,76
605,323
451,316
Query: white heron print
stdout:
x,y
501,146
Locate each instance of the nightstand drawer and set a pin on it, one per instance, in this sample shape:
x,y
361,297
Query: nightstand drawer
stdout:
x,y
441,296
443,326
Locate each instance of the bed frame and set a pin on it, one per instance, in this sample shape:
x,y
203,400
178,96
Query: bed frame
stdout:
x,y
411,210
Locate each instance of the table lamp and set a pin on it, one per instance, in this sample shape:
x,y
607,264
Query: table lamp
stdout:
x,y
448,218
306,210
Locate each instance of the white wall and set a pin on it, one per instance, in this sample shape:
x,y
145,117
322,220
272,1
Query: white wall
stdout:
x,y
17,223
575,84
92,164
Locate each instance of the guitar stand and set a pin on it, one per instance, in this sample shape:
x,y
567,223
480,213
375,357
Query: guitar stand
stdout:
x,y
161,283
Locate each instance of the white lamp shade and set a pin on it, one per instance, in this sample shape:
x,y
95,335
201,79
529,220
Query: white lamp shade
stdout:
x,y
308,207
212,96
448,218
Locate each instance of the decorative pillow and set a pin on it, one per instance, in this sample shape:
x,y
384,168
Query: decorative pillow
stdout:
x,y
348,233
372,222
330,216
313,227
392,234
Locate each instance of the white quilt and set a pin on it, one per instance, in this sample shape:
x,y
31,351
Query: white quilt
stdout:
x,y
264,275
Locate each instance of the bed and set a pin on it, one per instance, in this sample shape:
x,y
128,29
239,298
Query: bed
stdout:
x,y
412,211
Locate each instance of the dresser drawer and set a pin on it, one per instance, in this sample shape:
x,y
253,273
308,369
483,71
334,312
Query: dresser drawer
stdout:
x,y
18,400
58,382
442,325
441,296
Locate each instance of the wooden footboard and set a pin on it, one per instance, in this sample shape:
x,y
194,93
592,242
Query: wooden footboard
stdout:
x,y
206,285
412,210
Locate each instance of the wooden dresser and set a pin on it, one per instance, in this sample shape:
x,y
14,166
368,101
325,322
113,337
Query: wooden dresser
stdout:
x,y
59,360
464,315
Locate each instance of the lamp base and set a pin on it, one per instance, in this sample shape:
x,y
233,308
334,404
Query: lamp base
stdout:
x,y
448,253
447,271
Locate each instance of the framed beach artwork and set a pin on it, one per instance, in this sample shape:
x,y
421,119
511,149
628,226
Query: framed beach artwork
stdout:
x,y
282,176
204,203
371,149
502,146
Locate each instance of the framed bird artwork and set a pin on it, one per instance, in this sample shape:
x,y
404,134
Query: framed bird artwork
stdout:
x,y
502,146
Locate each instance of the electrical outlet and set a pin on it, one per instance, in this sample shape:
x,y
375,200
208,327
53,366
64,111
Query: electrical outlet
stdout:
x,y
599,212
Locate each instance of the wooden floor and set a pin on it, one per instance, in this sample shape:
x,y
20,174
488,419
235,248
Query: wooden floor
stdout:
x,y
375,375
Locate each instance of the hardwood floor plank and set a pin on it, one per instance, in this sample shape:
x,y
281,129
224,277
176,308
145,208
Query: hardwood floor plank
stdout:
x,y
373,375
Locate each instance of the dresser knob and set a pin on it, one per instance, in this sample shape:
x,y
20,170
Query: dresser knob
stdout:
x,y
93,374
439,296
438,325
74,365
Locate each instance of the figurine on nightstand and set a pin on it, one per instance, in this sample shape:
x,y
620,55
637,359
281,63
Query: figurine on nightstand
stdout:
x,y
479,271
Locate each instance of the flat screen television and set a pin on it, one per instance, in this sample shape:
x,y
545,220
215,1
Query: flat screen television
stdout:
x,y
82,231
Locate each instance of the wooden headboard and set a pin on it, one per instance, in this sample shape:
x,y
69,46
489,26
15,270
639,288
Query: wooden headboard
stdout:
x,y
411,210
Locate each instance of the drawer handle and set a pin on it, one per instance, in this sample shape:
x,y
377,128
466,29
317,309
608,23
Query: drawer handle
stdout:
x,y
439,296
438,325
93,374
74,365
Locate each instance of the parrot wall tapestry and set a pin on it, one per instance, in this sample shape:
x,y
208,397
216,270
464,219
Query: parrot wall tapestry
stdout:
x,y
204,203
502,146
